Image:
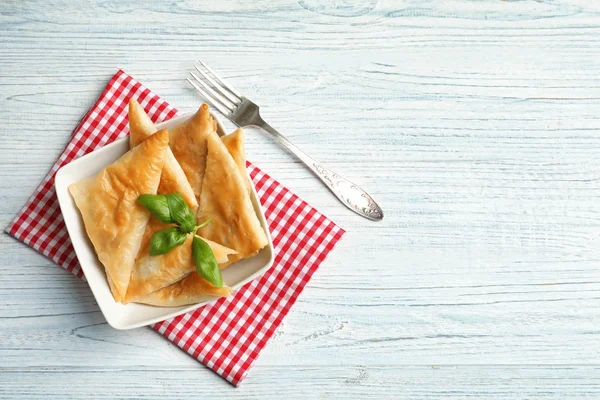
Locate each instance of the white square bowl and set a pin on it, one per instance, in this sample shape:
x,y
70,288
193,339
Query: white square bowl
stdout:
x,y
133,315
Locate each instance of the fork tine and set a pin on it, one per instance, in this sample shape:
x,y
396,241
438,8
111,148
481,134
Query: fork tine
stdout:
x,y
209,99
229,104
233,99
232,90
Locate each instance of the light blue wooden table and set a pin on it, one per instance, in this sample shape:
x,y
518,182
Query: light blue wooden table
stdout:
x,y
475,124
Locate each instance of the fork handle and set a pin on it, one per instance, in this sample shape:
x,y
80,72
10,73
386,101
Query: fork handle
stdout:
x,y
347,192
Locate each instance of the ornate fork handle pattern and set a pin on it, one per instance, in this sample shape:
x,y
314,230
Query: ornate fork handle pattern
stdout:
x,y
347,192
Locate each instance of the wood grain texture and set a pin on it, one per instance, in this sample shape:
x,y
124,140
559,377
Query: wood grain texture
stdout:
x,y
475,125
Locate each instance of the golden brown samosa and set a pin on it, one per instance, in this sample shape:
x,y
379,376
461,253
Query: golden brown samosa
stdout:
x,y
152,273
173,178
114,222
188,143
226,200
235,145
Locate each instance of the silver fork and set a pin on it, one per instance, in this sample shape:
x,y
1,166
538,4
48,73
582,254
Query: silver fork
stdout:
x,y
242,112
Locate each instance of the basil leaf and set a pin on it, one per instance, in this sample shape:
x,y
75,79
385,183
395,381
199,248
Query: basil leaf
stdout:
x,y
180,212
170,208
206,264
166,240
158,206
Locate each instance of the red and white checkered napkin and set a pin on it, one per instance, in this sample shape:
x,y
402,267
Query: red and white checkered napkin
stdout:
x,y
228,335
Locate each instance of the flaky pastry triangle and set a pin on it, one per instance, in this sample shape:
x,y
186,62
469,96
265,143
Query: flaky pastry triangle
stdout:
x,y
152,273
225,199
173,179
114,222
188,143
235,145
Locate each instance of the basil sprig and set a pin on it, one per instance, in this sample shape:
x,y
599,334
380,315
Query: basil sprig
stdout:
x,y
172,209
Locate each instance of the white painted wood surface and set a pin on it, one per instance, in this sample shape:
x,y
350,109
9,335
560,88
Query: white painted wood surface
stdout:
x,y
476,126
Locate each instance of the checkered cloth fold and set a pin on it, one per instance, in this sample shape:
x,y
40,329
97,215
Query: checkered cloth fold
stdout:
x,y
228,335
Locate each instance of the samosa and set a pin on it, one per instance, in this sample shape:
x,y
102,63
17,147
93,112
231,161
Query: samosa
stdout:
x,y
225,199
114,222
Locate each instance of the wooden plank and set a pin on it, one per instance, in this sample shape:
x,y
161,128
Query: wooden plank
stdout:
x,y
474,124
305,382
